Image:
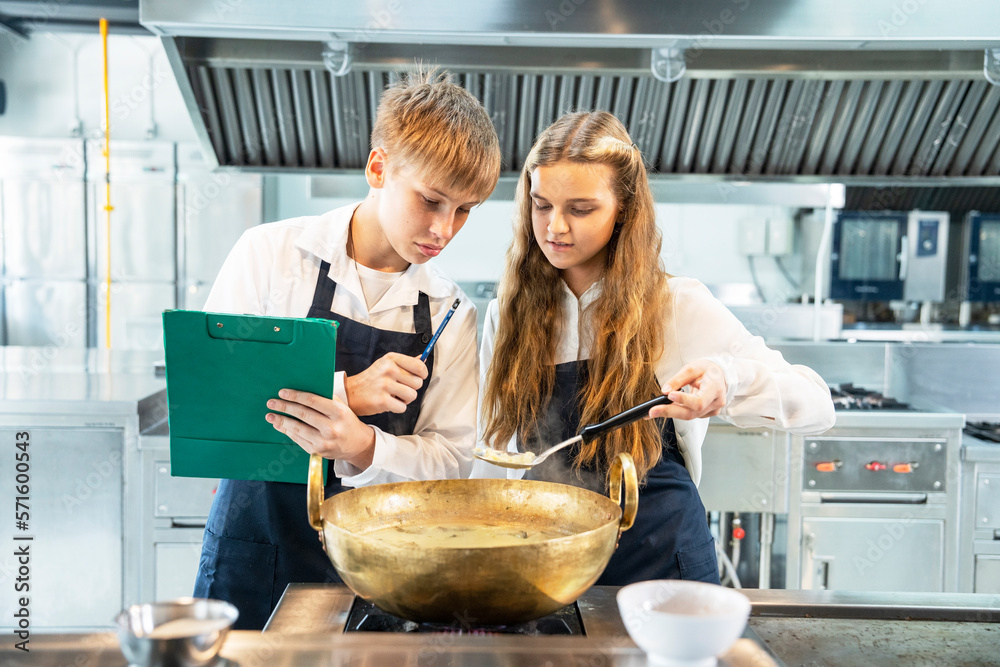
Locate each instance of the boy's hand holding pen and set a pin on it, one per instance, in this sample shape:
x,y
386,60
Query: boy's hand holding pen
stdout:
x,y
391,383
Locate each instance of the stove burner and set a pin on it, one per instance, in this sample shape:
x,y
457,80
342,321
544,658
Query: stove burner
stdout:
x,y
366,617
849,397
984,431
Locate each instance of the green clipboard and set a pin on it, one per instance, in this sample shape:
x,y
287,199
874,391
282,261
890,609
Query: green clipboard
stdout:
x,y
221,370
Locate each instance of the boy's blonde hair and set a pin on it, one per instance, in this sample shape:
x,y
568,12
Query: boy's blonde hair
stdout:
x,y
427,122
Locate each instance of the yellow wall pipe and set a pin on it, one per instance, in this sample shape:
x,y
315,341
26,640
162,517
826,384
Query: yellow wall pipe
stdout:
x,y
107,182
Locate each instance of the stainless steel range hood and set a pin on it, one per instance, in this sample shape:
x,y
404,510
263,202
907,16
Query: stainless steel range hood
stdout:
x,y
874,92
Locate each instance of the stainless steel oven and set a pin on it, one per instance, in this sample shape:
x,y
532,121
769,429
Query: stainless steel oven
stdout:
x,y
980,267
874,504
889,255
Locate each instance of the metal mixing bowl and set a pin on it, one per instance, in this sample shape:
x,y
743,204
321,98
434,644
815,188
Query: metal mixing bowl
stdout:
x,y
187,632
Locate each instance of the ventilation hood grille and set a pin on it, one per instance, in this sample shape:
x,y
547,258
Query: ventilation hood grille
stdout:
x,y
877,91
736,127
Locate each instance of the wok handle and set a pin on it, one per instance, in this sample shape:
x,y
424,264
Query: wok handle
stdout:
x,y
314,492
623,471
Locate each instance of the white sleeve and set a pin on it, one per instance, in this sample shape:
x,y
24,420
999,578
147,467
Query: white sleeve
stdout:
x,y
762,389
481,469
242,283
445,432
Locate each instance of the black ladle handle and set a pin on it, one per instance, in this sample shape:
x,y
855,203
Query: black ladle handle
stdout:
x,y
593,431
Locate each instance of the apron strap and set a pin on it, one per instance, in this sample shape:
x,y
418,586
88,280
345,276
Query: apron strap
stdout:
x,y
422,318
325,288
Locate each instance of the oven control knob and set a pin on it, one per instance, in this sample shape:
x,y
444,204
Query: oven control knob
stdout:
x,y
828,466
905,467
875,466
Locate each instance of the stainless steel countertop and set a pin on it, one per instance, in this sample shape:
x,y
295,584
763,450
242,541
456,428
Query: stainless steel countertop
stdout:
x,y
81,381
974,449
918,333
37,360
799,627
902,419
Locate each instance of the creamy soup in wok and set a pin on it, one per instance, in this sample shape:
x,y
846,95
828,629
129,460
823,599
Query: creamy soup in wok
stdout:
x,y
464,535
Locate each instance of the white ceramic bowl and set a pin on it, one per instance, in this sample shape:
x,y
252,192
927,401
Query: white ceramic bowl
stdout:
x,y
685,623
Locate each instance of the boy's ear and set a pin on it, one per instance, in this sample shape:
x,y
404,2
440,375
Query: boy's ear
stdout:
x,y
376,168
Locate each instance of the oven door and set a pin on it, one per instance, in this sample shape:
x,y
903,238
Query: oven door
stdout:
x,y
982,239
868,261
877,547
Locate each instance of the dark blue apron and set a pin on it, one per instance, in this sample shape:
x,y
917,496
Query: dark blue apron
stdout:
x,y
258,538
670,538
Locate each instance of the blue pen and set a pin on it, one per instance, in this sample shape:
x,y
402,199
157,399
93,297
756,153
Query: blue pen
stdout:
x,y
427,350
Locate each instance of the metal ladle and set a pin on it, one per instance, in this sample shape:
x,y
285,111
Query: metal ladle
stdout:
x,y
587,434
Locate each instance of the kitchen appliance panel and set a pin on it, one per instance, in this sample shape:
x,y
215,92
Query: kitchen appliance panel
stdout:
x,y
44,229
176,569
857,553
870,465
46,313
182,497
980,277
143,232
926,259
889,255
136,314
744,470
988,571
988,501
867,249
75,521
867,257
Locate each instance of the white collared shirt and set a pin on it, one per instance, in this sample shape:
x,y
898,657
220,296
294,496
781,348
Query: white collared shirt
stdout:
x,y
762,389
273,269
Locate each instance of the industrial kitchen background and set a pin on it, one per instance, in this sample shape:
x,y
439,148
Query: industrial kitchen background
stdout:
x,y
839,194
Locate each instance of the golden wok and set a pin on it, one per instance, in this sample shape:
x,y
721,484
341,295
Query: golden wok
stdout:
x,y
484,551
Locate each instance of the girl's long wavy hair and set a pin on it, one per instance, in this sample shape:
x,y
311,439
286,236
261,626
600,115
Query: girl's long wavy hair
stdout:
x,y
627,317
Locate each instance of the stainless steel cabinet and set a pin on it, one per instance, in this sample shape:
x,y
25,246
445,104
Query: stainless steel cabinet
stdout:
x,y
44,247
213,211
173,223
136,313
174,512
142,229
980,538
43,228
46,312
76,524
142,241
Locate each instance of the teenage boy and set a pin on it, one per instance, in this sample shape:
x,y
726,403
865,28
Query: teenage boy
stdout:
x,y
434,156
